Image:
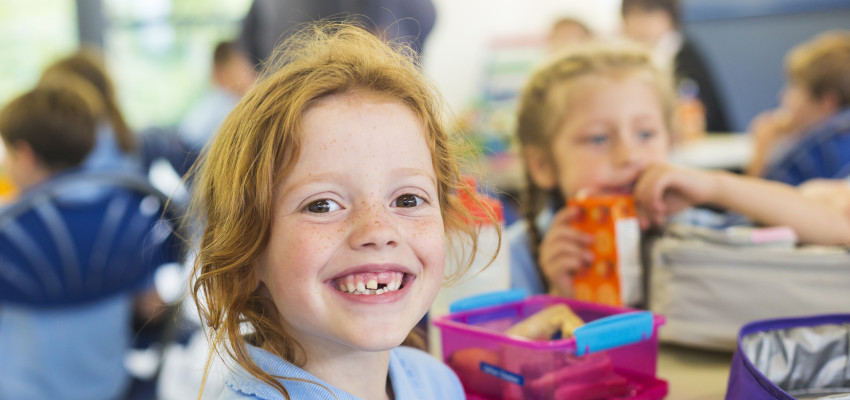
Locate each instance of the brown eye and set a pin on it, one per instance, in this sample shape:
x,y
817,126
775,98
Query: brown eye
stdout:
x,y
322,206
408,201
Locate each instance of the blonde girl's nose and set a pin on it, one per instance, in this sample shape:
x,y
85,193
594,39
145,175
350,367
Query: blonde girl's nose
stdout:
x,y
626,153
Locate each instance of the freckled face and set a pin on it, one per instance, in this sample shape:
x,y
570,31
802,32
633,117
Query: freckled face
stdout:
x,y
361,201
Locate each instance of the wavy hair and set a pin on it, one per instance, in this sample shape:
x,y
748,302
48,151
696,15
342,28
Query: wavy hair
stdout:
x,y
259,143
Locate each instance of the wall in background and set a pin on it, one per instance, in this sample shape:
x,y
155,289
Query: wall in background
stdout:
x,y
745,43
456,51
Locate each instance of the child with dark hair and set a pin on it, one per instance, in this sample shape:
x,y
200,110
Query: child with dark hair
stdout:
x,y
231,76
658,24
48,130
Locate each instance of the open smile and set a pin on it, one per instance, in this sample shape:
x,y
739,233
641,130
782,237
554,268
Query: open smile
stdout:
x,y
377,282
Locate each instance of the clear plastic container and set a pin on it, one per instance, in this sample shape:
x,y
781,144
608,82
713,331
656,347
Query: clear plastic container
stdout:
x,y
612,356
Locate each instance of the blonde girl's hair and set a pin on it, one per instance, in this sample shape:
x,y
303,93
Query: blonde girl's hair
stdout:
x,y
257,146
555,88
821,65
87,63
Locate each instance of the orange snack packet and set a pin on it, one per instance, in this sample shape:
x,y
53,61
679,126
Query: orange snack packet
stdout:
x,y
612,221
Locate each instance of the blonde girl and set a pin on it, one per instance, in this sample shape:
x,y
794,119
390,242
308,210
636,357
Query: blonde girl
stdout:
x,y
591,121
326,200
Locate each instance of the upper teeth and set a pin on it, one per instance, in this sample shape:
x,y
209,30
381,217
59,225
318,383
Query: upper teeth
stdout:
x,y
370,282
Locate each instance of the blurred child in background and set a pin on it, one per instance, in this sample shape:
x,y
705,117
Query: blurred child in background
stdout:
x,y
232,76
808,135
658,25
115,143
49,130
590,120
326,199
567,32
72,352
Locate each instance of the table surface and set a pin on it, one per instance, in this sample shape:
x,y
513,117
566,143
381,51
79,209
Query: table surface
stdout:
x,y
720,151
693,374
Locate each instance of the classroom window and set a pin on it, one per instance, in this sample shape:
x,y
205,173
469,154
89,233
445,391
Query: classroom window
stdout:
x,y
159,53
32,34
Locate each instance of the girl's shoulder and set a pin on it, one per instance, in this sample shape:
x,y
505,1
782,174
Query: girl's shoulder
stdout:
x,y
299,383
416,374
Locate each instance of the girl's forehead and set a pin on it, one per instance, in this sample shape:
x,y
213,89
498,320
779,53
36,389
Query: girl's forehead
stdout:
x,y
361,122
579,92
354,97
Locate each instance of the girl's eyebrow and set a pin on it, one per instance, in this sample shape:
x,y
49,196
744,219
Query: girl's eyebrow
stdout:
x,y
405,172
312,178
339,177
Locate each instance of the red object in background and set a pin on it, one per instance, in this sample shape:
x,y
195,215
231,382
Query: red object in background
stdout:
x,y
479,209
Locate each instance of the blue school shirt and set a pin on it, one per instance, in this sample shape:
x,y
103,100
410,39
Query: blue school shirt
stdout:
x,y
414,375
105,155
524,274
204,119
67,353
76,349
822,152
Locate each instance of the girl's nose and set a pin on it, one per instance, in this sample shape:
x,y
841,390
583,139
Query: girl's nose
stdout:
x,y
373,229
626,154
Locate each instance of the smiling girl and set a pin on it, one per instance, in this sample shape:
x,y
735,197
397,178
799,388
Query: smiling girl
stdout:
x,y
327,198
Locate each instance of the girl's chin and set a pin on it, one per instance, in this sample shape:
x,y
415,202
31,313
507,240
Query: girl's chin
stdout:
x,y
378,344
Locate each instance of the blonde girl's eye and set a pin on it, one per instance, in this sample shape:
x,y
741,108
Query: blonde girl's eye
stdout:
x,y
597,140
408,201
645,135
322,206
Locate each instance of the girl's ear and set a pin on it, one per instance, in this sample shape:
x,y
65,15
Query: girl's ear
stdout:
x,y
540,167
829,102
24,157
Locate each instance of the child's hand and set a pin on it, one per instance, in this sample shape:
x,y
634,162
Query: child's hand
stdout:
x,y
832,193
563,252
663,190
769,127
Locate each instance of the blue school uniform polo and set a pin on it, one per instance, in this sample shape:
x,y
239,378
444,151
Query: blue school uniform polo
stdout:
x,y
415,375
823,152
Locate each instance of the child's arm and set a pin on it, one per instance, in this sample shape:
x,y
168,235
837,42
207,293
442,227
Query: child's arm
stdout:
x,y
563,251
664,189
832,193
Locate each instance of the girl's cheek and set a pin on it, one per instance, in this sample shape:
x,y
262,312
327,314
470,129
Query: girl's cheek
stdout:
x,y
428,229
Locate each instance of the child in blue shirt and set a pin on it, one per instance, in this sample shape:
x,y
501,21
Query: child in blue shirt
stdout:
x,y
326,200
808,135
591,120
73,351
